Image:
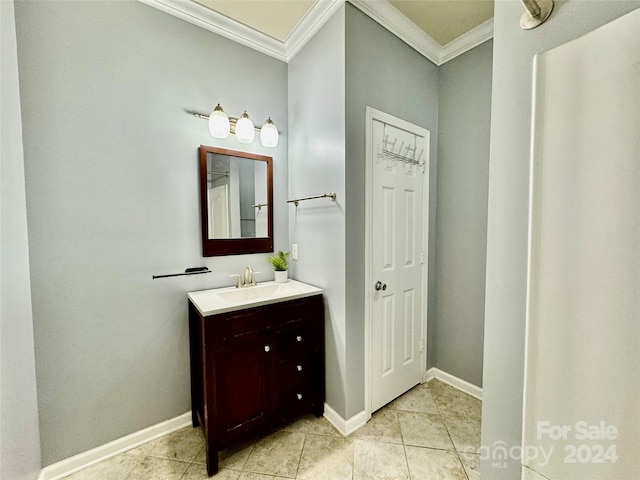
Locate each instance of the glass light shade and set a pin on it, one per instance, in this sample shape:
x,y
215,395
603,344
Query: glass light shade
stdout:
x,y
245,131
219,126
269,134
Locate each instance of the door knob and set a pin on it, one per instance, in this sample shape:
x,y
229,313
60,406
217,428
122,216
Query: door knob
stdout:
x,y
380,285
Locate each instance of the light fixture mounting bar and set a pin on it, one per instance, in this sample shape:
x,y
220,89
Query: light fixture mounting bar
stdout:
x,y
232,120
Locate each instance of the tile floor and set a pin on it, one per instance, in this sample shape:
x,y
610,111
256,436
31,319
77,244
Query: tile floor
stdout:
x,y
429,433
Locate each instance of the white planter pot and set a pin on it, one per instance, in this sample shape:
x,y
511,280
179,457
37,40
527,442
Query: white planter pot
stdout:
x,y
281,276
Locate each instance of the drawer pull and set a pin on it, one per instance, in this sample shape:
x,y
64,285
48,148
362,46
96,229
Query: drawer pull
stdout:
x,y
299,395
267,348
299,368
299,338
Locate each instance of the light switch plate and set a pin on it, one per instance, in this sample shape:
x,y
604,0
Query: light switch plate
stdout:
x,y
294,251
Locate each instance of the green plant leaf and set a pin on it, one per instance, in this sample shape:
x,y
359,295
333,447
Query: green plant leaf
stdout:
x,y
279,261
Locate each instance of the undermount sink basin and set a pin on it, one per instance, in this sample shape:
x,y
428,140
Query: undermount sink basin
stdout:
x,y
250,293
228,299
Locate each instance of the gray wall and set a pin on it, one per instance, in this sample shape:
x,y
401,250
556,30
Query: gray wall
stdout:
x,y
464,122
514,50
385,73
316,166
112,198
19,437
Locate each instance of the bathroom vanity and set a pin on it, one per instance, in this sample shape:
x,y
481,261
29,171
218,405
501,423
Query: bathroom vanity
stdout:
x,y
257,358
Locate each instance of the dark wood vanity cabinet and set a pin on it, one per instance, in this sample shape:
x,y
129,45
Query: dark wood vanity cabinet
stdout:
x,y
254,368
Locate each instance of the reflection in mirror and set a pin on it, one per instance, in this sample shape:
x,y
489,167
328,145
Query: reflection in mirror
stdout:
x,y
236,197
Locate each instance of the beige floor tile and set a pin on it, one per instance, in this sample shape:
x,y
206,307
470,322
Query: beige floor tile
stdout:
x,y
258,476
199,472
153,468
181,445
379,461
278,454
424,430
471,464
464,432
115,468
418,399
452,401
326,458
312,424
430,464
233,457
382,427
528,474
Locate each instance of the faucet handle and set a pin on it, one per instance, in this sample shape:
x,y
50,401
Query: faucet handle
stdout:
x,y
238,281
253,278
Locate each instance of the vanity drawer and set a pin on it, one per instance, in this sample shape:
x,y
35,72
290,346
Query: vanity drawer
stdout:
x,y
296,340
231,326
294,387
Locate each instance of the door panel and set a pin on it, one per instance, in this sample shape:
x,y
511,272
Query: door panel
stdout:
x,y
397,225
243,375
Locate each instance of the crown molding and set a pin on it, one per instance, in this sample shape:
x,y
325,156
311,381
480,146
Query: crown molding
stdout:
x,y
380,11
467,41
390,18
393,20
312,22
215,22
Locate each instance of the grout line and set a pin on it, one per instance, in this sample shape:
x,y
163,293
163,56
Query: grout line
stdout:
x,y
404,446
301,452
455,449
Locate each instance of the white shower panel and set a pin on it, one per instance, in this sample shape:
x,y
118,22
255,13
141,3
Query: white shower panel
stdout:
x,y
582,381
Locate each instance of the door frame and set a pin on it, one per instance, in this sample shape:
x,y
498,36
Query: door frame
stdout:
x,y
372,114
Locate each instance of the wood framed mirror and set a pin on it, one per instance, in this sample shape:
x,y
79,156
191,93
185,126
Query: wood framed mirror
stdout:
x,y
236,202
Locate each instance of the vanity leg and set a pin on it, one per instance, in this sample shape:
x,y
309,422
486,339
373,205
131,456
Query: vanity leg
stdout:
x,y
212,460
195,359
317,409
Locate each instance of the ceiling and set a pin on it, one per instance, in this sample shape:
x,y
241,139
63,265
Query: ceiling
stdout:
x,y
438,29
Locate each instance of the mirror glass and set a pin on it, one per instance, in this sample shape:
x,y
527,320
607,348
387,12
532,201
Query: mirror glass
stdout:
x,y
236,202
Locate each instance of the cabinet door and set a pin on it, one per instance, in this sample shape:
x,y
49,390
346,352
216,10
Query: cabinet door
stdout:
x,y
243,374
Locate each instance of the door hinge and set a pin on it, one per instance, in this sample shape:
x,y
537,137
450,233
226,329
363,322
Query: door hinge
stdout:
x,y
421,346
422,257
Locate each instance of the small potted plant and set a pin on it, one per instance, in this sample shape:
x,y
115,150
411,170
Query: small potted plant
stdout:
x,y
280,263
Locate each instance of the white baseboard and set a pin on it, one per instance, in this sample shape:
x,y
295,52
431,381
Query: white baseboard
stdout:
x,y
455,382
82,460
345,427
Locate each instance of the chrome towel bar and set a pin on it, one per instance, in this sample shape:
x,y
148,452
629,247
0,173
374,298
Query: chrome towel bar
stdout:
x,y
331,195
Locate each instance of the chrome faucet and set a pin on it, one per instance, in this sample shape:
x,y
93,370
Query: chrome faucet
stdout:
x,y
249,279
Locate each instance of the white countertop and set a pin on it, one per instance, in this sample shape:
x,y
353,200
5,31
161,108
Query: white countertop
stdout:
x,y
229,299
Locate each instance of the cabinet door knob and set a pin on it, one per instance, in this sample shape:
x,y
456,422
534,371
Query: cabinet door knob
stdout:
x,y
299,338
267,348
299,395
299,368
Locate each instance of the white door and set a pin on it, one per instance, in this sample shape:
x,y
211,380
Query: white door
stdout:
x,y
219,216
582,370
398,161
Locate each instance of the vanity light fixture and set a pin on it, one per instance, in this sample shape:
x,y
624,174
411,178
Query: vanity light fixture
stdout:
x,y
220,126
245,130
269,134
